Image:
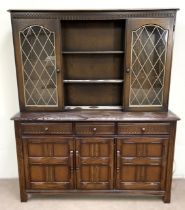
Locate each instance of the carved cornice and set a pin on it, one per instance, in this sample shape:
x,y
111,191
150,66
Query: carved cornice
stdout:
x,y
95,15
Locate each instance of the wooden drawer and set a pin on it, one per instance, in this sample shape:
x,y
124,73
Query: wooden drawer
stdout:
x,y
46,128
94,128
143,128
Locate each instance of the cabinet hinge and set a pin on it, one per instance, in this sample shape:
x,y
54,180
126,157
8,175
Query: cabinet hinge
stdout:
x,y
174,27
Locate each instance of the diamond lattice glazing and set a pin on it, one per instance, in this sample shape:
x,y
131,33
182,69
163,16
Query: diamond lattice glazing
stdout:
x,y
148,58
39,66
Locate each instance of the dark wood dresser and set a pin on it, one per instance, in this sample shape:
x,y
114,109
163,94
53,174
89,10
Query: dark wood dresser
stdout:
x,y
93,92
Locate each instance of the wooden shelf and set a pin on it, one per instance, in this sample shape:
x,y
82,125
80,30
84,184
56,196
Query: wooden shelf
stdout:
x,y
93,52
93,107
95,81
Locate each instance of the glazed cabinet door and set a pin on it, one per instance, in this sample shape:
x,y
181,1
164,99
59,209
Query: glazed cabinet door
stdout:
x,y
38,62
94,163
148,63
49,162
141,163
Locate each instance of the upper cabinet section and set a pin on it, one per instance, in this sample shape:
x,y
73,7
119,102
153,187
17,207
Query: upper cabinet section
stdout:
x,y
148,63
38,64
113,60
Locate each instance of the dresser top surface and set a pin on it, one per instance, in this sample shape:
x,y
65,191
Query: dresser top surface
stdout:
x,y
94,10
95,116
101,14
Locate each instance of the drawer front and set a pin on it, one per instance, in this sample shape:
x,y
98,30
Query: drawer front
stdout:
x,y
94,128
46,128
144,128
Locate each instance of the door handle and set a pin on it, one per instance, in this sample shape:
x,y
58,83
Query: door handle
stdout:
x,y
77,159
118,160
71,158
128,70
58,70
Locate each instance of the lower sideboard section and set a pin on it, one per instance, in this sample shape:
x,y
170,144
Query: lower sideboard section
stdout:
x,y
70,157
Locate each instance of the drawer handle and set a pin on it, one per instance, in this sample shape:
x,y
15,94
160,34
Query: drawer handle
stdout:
x,y
94,129
143,129
46,128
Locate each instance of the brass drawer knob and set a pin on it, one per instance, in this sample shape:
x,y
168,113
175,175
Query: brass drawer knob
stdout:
x,y
46,128
94,129
143,129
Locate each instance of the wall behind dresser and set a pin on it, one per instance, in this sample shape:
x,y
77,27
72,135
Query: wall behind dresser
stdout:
x,y
8,87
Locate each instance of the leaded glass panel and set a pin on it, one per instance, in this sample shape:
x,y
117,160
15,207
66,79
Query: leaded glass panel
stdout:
x,y
148,59
39,66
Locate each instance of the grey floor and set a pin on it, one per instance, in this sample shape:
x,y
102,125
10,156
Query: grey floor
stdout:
x,y
9,200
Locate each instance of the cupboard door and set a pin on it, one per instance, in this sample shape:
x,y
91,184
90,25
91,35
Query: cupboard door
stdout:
x,y
141,163
49,163
37,51
148,63
94,163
